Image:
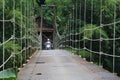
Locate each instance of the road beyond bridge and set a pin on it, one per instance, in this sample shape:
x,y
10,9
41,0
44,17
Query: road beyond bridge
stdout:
x,y
62,65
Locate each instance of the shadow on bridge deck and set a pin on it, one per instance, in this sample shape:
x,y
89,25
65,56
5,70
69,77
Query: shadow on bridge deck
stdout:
x,y
61,65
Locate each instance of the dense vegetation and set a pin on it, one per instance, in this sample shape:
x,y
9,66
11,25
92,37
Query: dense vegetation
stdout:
x,y
65,8
79,21
105,14
18,32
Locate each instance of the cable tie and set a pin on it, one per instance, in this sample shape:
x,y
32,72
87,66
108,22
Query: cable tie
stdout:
x,y
84,48
101,39
101,25
101,53
85,38
13,54
24,48
76,40
12,36
12,20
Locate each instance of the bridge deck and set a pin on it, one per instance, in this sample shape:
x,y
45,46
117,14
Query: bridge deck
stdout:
x,y
61,65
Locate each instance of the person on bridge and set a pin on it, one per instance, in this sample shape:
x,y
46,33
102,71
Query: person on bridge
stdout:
x,y
48,44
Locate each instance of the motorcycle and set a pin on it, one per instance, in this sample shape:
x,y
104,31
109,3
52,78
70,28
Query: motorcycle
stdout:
x,y
48,46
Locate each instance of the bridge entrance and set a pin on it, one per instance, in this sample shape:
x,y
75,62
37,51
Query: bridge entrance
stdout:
x,y
46,27
47,34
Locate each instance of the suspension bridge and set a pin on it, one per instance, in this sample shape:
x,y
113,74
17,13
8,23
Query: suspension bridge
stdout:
x,y
80,53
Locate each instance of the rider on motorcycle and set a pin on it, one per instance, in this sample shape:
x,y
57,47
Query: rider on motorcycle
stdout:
x,y
48,44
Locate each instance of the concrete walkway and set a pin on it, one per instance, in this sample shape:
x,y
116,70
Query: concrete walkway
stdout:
x,y
61,65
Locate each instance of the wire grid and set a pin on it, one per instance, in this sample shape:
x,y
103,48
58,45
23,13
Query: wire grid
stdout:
x,y
70,42
13,37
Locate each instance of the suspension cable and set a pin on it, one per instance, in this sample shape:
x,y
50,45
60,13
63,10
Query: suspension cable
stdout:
x,y
114,36
13,37
80,26
73,26
100,33
25,30
84,42
84,21
14,33
91,30
3,36
30,42
70,30
21,28
76,23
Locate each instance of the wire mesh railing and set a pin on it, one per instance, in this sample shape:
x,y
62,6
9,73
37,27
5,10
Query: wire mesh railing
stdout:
x,y
97,43
17,40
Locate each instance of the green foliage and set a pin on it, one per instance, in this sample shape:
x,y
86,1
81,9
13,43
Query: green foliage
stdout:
x,y
82,53
23,19
9,74
48,16
63,9
93,31
11,47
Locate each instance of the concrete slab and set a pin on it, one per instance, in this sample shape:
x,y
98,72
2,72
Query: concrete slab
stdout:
x,y
62,65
